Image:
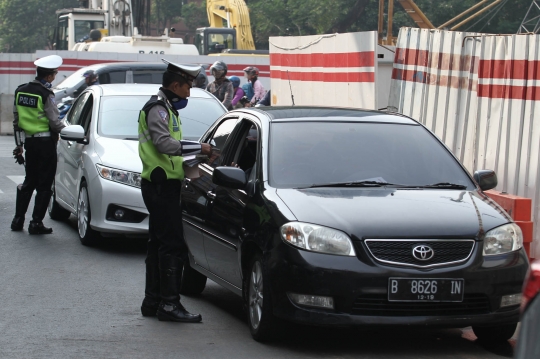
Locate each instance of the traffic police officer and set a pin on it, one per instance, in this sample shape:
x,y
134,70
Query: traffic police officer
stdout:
x,y
36,126
161,149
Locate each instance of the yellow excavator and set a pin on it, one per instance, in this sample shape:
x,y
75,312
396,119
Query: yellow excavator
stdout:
x,y
229,31
422,21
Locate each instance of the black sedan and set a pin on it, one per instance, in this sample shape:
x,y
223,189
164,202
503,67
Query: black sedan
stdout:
x,y
346,217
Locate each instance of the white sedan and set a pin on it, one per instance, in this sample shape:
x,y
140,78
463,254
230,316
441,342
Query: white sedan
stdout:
x,y
98,176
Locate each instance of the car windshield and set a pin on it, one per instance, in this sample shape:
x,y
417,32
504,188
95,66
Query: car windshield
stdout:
x,y
72,80
304,154
119,116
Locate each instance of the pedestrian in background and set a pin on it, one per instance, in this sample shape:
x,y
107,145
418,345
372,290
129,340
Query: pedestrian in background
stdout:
x,y
221,87
161,150
36,127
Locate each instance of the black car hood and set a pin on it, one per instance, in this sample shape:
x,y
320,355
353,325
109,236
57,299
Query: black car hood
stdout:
x,y
389,213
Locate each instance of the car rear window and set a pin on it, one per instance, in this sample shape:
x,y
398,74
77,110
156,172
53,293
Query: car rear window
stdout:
x,y
307,153
148,76
119,116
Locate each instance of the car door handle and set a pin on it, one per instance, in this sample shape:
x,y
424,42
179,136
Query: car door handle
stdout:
x,y
211,195
69,143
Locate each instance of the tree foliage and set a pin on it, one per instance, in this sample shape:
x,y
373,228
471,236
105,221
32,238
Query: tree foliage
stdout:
x,y
26,26
165,13
311,17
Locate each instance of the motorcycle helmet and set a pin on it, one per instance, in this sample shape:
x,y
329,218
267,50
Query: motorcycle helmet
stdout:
x,y
252,70
218,69
90,74
235,81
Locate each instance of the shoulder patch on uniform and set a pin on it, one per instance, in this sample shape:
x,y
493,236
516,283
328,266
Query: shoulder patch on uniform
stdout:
x,y
163,115
53,100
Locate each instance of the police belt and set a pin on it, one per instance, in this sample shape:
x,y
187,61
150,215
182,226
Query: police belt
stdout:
x,y
39,134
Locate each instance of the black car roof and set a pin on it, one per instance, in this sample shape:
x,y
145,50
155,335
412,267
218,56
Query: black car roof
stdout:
x,y
311,113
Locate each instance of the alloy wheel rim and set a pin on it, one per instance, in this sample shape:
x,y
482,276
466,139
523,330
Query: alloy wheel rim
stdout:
x,y
82,213
255,295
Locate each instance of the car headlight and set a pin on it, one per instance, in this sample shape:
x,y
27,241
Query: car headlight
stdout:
x,y
317,238
503,239
120,176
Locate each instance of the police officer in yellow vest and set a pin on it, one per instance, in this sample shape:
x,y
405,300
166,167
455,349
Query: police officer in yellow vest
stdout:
x,y
36,126
161,149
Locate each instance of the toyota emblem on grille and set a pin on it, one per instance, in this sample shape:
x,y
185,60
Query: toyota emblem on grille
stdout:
x,y
423,252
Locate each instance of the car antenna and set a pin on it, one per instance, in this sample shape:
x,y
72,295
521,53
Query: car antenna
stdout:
x,y
290,87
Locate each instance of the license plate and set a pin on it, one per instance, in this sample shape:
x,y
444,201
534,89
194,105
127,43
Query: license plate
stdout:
x,y
425,289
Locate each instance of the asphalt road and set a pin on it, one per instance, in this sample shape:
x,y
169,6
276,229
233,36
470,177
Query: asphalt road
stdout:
x,y
60,299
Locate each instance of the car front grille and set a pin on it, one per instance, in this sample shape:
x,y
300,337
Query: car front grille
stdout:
x,y
400,251
378,305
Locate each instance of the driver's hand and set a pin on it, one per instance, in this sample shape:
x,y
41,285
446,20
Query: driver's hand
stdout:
x,y
206,149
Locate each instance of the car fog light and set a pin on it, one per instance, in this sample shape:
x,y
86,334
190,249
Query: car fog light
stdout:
x,y
312,300
509,300
119,214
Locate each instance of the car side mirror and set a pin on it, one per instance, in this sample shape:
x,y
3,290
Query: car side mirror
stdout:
x,y
73,133
486,179
231,177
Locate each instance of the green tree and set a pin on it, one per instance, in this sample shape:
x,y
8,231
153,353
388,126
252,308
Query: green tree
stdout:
x,y
194,15
26,25
166,12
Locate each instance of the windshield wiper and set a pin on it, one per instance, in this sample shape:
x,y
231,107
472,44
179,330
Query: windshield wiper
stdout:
x,y
348,184
131,139
446,185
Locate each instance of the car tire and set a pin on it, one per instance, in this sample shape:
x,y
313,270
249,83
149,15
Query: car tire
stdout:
x,y
500,333
258,301
87,235
56,212
193,282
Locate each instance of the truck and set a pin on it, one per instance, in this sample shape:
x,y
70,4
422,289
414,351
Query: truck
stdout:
x,y
229,31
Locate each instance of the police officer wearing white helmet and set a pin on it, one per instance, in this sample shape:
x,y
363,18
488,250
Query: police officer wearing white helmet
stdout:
x,y
36,127
161,149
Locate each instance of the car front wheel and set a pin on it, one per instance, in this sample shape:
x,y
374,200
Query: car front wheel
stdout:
x,y
87,235
500,333
258,302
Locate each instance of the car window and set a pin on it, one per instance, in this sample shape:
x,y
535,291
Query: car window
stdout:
x,y
244,146
306,153
86,114
74,115
148,76
119,116
113,77
218,139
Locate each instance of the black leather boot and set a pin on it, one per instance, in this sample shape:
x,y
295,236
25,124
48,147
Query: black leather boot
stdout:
x,y
38,228
170,309
152,296
41,204
21,206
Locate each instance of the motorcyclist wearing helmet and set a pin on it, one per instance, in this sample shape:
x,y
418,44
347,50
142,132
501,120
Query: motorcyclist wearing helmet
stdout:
x,y
238,92
252,74
90,78
221,87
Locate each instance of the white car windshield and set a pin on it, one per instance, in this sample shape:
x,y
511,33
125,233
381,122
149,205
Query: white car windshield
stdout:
x,y
119,116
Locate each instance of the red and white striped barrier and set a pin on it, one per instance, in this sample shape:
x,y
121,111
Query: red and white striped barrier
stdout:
x,y
479,93
324,70
16,69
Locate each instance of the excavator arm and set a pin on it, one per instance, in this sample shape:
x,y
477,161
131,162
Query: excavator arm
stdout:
x,y
236,15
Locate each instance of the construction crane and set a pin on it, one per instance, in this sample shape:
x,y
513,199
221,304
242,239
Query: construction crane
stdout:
x,y
423,22
531,21
229,29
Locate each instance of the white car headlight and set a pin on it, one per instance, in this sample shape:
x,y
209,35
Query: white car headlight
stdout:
x,y
120,176
317,238
503,239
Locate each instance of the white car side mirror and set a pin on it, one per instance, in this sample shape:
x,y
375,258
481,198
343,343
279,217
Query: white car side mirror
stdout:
x,y
72,133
